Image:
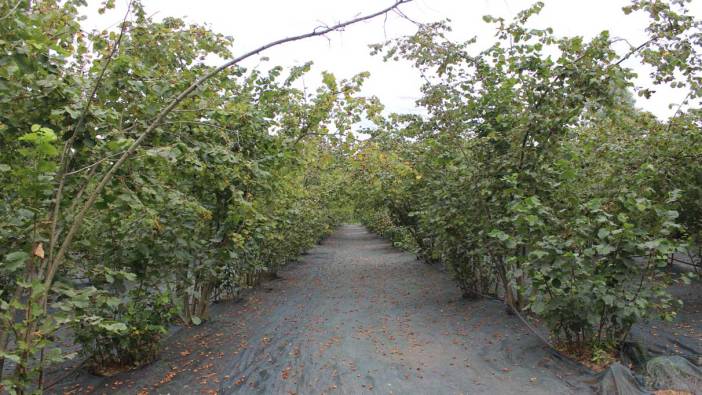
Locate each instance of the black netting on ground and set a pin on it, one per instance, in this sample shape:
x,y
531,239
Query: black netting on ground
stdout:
x,y
663,355
619,380
673,373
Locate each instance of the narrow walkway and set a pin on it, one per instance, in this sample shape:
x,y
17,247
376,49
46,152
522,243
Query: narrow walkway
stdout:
x,y
355,316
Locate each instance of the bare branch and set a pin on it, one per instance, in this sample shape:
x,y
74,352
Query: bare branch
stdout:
x,y
622,39
405,17
634,51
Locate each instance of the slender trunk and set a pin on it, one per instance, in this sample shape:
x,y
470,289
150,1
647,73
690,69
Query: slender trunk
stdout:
x,y
509,296
186,309
201,309
602,323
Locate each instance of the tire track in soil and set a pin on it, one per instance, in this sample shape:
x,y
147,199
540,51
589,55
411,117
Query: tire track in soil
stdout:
x,y
355,316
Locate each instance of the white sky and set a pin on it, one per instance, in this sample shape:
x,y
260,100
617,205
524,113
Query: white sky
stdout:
x,y
253,23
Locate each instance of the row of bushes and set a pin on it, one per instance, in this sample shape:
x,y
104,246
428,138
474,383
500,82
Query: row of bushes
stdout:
x,y
237,181
536,179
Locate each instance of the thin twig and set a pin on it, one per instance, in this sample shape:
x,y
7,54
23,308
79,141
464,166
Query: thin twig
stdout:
x,y
678,111
635,50
79,195
404,16
94,164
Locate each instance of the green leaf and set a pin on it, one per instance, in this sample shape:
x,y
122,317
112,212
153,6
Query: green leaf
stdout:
x,y
652,244
602,233
25,214
112,302
672,214
604,249
538,307
47,149
14,260
539,254
17,256
129,276
498,234
29,137
114,327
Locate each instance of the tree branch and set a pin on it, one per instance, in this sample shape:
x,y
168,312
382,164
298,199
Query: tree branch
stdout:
x,y
635,50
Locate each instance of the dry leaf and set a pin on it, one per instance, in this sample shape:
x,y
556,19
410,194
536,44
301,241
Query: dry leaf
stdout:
x,y
39,250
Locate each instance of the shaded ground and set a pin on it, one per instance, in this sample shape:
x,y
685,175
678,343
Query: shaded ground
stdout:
x,y
355,316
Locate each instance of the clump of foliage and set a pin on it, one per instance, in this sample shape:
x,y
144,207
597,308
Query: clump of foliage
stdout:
x,y
534,178
132,336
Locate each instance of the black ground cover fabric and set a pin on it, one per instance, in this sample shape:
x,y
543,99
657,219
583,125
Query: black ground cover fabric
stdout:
x,y
357,316
354,316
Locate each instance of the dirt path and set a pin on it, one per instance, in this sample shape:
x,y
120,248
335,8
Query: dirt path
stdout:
x,y
355,316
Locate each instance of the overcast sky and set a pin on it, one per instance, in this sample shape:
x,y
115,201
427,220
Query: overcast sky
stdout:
x,y
256,22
